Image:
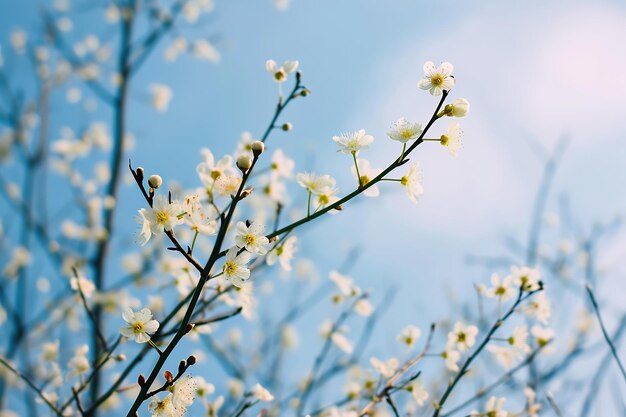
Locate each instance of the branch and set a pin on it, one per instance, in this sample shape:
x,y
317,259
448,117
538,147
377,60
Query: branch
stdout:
x,y
604,332
31,385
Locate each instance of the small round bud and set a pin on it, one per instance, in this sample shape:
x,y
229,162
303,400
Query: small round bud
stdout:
x,y
458,108
244,162
191,360
140,173
257,147
305,92
141,380
181,366
168,376
155,181
189,327
120,358
287,127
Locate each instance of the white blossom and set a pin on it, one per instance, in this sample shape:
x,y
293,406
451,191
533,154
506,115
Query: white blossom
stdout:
x,y
262,394
386,368
436,80
462,336
366,174
419,394
493,408
280,73
404,131
183,392
235,269
139,325
162,216
412,182
252,238
283,253
352,143
409,335
315,184
501,288
161,96
525,278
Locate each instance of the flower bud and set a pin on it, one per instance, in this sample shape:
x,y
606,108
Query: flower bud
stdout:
x,y
458,108
287,127
168,376
245,193
141,380
305,92
257,147
155,181
191,360
244,162
140,173
182,366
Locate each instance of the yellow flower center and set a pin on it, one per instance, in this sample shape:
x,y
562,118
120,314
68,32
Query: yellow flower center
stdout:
x,y
138,327
250,239
280,75
437,80
444,140
230,268
500,291
162,217
323,199
461,337
404,180
364,179
407,133
279,251
215,173
274,165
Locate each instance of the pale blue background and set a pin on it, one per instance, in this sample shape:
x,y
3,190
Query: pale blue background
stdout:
x,y
533,71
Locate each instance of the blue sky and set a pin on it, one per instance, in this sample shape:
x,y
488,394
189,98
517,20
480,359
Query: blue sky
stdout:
x,y
533,71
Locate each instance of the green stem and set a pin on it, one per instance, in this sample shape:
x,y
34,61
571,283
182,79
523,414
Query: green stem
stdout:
x,y
402,153
193,242
151,343
308,205
356,165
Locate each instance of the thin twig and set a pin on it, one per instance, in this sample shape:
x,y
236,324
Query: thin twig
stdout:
x,y
604,332
31,385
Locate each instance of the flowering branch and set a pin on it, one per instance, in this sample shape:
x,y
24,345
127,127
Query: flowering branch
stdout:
x,y
395,164
484,391
170,381
521,296
385,391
